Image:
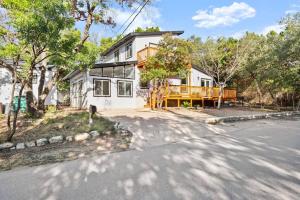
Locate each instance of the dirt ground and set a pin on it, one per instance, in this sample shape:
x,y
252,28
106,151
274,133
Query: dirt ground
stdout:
x,y
62,152
62,122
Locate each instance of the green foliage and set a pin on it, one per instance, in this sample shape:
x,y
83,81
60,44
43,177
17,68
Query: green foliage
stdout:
x,y
147,29
171,60
51,109
107,42
186,104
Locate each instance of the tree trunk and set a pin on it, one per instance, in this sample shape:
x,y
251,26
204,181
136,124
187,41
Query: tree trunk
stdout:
x,y
40,105
11,100
220,96
13,131
259,92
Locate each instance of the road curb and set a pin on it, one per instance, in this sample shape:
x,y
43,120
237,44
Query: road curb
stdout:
x,y
217,120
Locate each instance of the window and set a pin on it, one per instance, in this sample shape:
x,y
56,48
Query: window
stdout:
x,y
125,89
117,56
108,71
119,72
101,88
129,50
129,72
205,82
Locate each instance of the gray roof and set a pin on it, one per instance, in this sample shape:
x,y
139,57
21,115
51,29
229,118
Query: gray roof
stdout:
x,y
135,34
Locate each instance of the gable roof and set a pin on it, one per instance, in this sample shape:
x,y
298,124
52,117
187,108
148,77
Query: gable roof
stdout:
x,y
132,35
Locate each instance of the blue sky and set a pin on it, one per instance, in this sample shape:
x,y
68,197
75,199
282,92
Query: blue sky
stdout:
x,y
205,18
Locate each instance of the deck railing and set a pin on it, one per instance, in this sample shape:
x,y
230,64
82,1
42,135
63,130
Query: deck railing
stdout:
x,y
183,91
145,53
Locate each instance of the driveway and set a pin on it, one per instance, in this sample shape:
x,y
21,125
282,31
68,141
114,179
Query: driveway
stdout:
x,y
247,160
151,128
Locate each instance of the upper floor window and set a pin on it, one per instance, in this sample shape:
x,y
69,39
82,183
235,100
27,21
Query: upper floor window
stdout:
x,y
128,51
117,56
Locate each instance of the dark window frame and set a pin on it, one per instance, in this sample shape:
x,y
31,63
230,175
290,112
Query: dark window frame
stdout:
x,y
123,72
125,82
98,79
113,74
117,51
126,50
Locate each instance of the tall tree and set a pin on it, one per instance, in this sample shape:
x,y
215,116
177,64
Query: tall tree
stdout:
x,y
220,59
171,60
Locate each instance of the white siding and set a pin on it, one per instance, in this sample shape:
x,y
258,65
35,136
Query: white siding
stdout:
x,y
138,99
6,87
137,44
52,96
196,77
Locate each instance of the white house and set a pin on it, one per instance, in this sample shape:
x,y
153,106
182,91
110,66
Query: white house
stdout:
x,y
115,83
6,83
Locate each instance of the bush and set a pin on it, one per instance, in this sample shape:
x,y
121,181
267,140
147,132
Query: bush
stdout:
x,y
51,109
186,104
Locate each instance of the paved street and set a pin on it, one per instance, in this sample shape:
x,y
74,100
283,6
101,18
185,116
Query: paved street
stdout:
x,y
247,160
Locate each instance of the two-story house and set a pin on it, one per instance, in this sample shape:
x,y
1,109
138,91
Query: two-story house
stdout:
x,y
115,82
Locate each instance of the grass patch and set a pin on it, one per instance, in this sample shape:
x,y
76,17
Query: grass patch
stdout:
x,y
58,123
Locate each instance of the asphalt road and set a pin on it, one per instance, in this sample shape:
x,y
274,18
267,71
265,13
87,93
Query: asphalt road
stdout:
x,y
247,160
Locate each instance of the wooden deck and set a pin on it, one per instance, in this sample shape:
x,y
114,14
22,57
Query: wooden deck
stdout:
x,y
176,95
194,95
145,53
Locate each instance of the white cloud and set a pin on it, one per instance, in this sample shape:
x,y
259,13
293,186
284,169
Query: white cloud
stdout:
x,y
223,16
147,18
277,28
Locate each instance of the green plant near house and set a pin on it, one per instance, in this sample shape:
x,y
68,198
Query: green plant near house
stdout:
x,y
186,104
51,109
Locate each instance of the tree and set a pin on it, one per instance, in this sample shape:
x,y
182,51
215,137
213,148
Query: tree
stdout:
x,y
147,29
107,42
220,59
171,60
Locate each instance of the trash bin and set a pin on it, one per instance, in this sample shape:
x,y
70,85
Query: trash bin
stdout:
x,y
22,104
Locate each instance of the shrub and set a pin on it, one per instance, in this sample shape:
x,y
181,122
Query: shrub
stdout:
x,y
51,109
185,104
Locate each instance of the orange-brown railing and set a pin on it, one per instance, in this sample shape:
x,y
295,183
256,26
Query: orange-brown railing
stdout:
x,y
182,91
145,53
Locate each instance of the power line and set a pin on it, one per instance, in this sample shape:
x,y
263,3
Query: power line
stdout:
x,y
129,18
135,16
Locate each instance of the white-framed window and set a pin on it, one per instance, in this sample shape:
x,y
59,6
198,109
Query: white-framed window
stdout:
x,y
117,56
125,88
128,51
101,88
205,82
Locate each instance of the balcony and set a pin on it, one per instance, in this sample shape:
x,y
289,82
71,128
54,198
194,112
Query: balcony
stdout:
x,y
145,53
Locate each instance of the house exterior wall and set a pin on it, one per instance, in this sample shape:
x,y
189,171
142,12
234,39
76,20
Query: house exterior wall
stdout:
x,y
6,87
138,44
137,100
196,77
51,99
